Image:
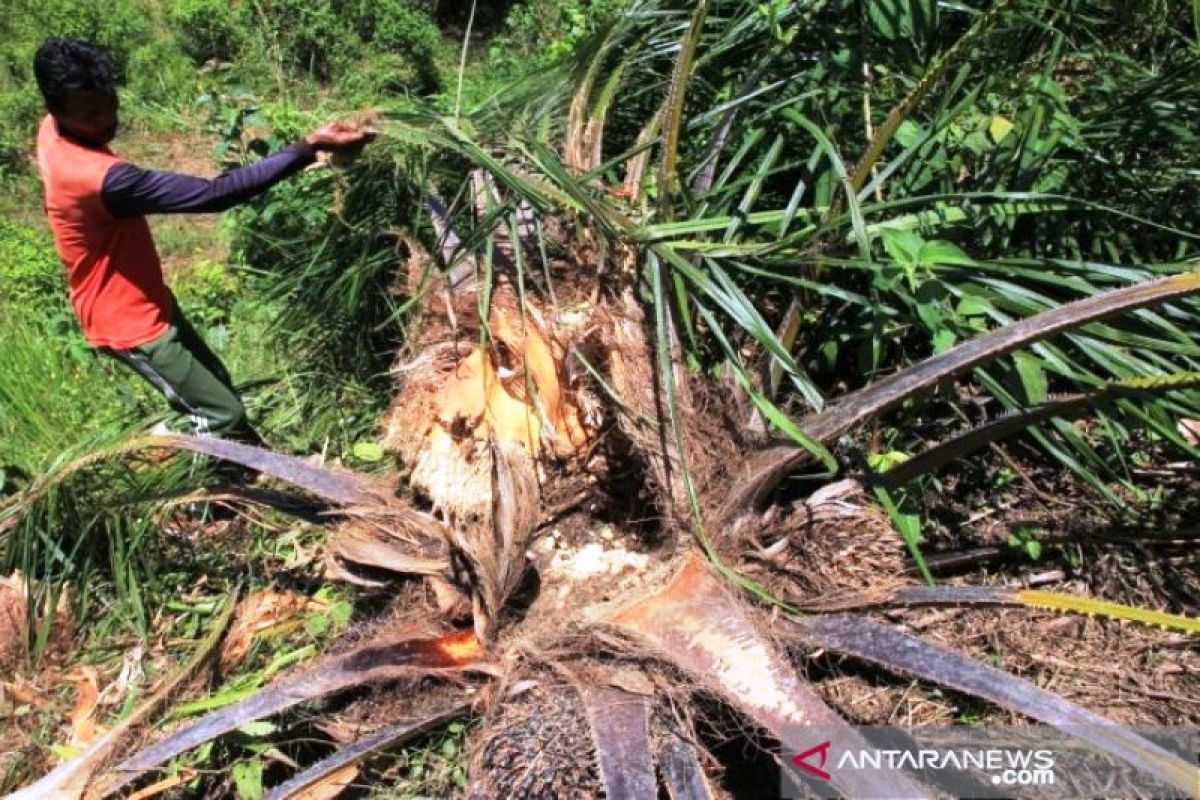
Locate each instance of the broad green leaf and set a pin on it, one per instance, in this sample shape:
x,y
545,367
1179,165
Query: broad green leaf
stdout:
x,y
904,246
248,778
999,128
368,451
941,252
258,728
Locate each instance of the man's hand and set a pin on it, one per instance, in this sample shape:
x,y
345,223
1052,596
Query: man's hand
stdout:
x,y
338,137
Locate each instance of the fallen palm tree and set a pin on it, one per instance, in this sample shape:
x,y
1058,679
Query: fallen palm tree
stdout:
x,y
485,442
593,667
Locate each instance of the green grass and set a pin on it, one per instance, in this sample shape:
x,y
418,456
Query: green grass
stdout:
x,y
434,766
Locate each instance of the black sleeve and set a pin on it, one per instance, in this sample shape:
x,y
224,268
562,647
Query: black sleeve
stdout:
x,y
130,191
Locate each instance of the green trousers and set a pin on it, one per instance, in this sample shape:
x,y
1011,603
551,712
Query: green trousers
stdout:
x,y
192,378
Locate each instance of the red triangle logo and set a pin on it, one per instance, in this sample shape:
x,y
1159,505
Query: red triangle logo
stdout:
x,y
800,760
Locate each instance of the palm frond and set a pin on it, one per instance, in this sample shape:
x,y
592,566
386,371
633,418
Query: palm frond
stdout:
x,y
620,726
695,624
887,647
371,662
387,737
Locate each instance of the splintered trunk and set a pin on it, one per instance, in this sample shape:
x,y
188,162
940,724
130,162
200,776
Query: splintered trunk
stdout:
x,y
483,407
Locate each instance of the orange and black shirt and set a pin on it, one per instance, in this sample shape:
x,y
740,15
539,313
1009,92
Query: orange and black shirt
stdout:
x,y
97,204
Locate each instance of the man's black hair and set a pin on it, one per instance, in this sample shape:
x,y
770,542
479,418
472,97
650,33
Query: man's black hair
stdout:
x,y
64,67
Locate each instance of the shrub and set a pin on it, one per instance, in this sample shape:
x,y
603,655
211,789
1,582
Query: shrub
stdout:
x,y
308,36
158,73
395,26
19,111
362,45
208,290
120,25
30,271
410,44
207,30
150,66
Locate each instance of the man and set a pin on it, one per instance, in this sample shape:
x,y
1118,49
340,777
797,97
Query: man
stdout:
x,y
97,202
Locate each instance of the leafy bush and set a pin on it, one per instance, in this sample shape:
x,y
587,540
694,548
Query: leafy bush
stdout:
x,y
379,46
323,250
407,45
20,109
544,31
207,29
395,26
120,25
160,75
30,271
309,37
208,290
150,65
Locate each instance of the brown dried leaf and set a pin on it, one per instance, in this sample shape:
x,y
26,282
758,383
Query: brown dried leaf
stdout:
x,y
14,621
340,730
158,787
22,693
83,716
60,650
260,613
330,786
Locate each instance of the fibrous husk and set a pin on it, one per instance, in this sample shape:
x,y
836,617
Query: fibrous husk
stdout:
x,y
830,550
457,396
471,424
404,541
536,746
710,445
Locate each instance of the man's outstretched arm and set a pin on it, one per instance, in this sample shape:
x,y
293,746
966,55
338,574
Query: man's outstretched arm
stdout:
x,y
130,191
